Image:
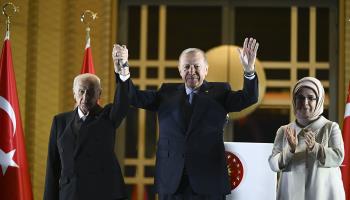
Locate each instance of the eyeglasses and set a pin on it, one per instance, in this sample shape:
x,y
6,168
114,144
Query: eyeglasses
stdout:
x,y
303,98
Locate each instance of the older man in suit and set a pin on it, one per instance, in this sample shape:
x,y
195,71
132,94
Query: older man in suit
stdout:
x,y
81,163
190,158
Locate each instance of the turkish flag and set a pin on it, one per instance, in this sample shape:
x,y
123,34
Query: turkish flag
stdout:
x,y
88,64
134,194
345,169
14,175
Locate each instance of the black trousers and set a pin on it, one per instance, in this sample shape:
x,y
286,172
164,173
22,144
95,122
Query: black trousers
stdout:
x,y
185,192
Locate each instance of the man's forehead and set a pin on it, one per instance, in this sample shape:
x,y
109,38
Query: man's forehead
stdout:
x,y
192,55
86,83
192,59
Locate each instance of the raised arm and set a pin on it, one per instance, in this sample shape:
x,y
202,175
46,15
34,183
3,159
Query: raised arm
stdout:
x,y
138,98
238,100
121,103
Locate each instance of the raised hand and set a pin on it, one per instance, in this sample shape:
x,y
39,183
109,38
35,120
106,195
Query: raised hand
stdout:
x,y
248,54
310,139
120,57
291,135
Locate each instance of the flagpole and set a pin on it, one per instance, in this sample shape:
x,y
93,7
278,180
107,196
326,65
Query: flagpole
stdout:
x,y
9,9
87,17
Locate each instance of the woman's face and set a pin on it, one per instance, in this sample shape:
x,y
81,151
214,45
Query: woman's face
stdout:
x,y
305,101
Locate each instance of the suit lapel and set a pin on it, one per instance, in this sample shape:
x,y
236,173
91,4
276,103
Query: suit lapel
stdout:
x,y
179,101
67,139
83,132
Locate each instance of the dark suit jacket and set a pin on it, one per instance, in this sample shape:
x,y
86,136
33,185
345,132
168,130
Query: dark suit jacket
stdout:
x,y
196,146
83,166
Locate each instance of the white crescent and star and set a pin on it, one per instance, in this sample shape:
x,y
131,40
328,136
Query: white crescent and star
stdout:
x,y
6,159
6,106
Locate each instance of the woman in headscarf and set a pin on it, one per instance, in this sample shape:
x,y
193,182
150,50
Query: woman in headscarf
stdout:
x,y
308,151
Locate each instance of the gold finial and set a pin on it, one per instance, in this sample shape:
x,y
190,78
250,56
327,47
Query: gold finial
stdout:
x,y
87,17
9,9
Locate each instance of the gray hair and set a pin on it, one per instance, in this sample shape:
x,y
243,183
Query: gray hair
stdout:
x,y
194,51
87,76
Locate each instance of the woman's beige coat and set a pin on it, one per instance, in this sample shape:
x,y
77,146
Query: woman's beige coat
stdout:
x,y
310,175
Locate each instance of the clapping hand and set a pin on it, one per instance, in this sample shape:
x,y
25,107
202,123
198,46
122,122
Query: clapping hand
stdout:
x,y
291,135
310,139
248,55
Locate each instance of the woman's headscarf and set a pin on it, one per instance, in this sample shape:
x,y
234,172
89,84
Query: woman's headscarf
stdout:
x,y
317,87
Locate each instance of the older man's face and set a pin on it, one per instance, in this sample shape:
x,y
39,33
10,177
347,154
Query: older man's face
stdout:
x,y
86,94
193,69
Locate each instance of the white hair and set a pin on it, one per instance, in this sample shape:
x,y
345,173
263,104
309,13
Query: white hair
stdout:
x,y
194,51
87,76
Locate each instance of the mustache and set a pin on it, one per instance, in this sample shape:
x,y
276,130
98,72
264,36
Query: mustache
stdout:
x,y
192,76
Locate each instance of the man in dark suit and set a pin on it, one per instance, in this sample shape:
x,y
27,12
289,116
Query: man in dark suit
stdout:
x,y
81,163
190,158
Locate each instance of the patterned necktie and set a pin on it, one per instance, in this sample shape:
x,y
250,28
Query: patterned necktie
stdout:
x,y
190,99
83,118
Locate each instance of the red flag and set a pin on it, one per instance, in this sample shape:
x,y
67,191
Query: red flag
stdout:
x,y
88,64
345,169
14,174
134,193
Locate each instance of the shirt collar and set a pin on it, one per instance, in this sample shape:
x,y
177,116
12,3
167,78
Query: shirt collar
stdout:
x,y
81,114
190,90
